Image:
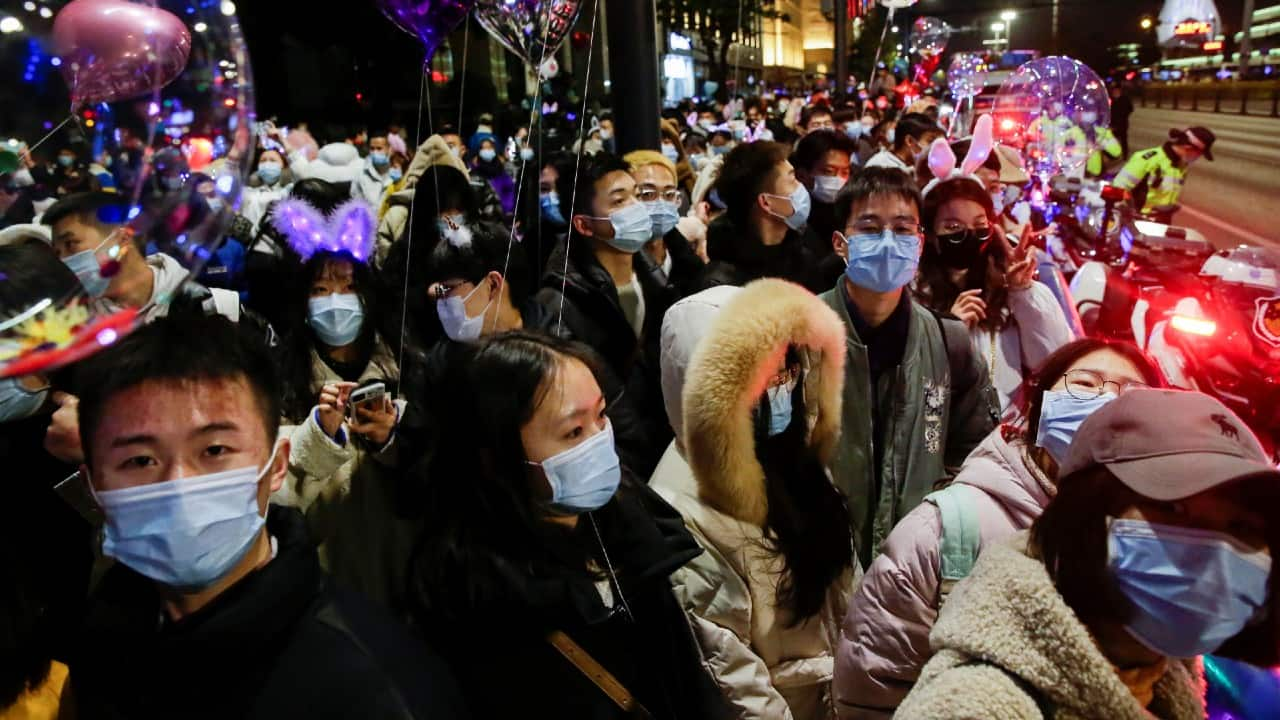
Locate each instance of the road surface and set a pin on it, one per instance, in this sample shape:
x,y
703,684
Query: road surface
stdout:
x,y
1235,199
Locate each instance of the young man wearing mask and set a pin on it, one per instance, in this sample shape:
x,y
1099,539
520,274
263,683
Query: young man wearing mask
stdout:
x,y
912,136
822,163
916,399
669,256
217,603
376,176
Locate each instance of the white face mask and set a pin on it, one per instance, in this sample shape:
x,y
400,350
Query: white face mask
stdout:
x,y
459,326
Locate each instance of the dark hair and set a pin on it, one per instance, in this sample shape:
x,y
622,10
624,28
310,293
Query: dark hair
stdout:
x,y
31,273
440,188
492,249
913,125
104,211
813,148
809,113
322,195
590,171
748,170
935,288
961,149
807,522
184,346
25,643
867,183
1056,366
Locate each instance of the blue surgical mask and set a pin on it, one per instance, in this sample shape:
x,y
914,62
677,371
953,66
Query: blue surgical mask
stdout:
x,y
721,149
550,204
186,533
66,161
997,201
698,161
269,172
17,402
854,130
584,477
779,409
1191,590
336,318
1061,416
800,205
826,188
632,228
88,269
379,159
215,204
395,174
883,263
669,152
664,215
526,154
488,154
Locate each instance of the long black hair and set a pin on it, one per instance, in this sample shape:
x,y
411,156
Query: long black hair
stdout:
x,y
935,288
807,523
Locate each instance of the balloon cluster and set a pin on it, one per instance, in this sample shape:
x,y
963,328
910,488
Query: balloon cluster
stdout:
x,y
1053,109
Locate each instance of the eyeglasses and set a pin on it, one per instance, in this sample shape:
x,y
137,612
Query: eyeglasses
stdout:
x,y
653,194
440,291
898,228
1087,384
955,228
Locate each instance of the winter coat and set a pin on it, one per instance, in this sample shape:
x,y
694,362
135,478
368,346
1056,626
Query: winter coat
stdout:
x,y
349,493
1035,329
737,257
283,642
371,185
256,199
768,669
885,638
395,220
494,633
1007,646
935,415
338,163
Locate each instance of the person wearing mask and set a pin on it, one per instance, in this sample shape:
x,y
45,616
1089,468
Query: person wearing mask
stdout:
x,y
757,127
969,271
672,149
216,605
816,117
607,135
544,221
1156,549
433,154
565,564
375,178
822,163
70,175
1155,177
487,166
912,136
720,143
1001,489
399,166
917,399
753,488
268,184
761,233
597,288
1108,154
669,256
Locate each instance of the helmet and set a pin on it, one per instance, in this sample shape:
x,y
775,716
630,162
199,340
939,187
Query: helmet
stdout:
x,y
1255,268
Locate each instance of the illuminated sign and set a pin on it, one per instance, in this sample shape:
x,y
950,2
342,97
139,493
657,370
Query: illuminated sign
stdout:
x,y
1213,45
679,42
1193,27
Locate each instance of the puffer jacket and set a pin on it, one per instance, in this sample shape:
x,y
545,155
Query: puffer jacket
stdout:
x,y
766,668
1035,330
1007,646
885,638
348,492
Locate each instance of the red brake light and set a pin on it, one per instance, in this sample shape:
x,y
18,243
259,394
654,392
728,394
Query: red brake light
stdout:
x,y
1111,193
1194,326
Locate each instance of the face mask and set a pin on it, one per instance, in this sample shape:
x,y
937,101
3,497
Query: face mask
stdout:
x,y
488,154
66,161
457,324
882,263
606,134
336,318
779,409
698,161
997,201
17,402
214,203
891,135
457,151
584,477
446,225
707,125
550,204
800,204
526,154
379,159
1011,194
1192,589
87,268
868,125
664,216
669,152
185,533
269,172
720,149
826,188
958,250
1060,418
632,228
395,174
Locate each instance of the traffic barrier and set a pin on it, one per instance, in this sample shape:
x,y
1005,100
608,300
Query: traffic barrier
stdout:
x,y
1247,98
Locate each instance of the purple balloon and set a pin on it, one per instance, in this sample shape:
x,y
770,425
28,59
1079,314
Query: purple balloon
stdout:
x,y
532,29
428,20
114,50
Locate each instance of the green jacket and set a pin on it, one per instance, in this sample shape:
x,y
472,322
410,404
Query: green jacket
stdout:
x,y
1154,178
932,426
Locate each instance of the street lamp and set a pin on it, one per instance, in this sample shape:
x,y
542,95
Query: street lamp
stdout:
x,y
997,28
1008,16
1146,23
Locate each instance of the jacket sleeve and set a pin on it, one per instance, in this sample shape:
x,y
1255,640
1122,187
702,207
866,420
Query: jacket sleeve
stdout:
x,y
390,228
975,407
314,460
968,692
686,266
1042,328
1134,172
719,608
884,641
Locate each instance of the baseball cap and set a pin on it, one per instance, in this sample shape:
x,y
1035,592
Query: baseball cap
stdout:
x,y
1011,171
1198,137
1168,444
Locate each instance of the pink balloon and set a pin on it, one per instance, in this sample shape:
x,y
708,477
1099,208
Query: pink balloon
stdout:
x,y
114,50
942,162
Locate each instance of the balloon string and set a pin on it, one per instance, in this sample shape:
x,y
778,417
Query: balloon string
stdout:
x,y
737,54
423,91
462,79
31,148
582,127
884,31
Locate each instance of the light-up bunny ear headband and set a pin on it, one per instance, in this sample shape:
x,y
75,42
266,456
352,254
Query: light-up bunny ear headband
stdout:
x,y
349,230
942,161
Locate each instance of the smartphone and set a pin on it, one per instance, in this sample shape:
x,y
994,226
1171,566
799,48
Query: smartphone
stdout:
x,y
370,396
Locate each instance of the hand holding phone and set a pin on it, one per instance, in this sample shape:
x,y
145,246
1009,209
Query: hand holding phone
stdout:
x,y
373,415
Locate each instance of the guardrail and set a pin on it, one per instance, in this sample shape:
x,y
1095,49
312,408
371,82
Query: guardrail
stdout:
x,y
1252,98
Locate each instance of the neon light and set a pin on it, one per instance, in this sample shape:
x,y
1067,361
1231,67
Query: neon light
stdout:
x,y
1194,326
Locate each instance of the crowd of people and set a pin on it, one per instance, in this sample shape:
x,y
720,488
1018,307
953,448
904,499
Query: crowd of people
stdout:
x,y
770,420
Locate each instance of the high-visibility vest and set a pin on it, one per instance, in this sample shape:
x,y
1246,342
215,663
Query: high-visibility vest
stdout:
x,y
1154,179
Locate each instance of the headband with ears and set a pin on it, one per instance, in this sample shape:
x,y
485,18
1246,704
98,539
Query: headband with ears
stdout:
x,y
942,161
349,230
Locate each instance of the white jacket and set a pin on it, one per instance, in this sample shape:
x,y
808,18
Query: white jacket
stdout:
x,y
371,185
168,275
1036,329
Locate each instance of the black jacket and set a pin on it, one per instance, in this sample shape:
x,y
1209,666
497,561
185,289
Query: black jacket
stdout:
x,y
737,258
281,643
497,641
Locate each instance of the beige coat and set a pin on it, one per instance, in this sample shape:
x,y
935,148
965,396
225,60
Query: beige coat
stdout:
x,y
767,669
1007,646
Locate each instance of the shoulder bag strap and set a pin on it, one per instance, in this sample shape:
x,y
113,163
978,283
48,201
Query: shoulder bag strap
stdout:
x,y
961,536
595,672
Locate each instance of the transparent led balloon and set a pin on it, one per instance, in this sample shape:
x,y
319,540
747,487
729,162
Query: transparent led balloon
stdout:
x,y
1054,109
150,102
929,36
967,75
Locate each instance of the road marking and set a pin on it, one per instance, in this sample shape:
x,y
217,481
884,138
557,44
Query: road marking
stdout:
x,y
1236,230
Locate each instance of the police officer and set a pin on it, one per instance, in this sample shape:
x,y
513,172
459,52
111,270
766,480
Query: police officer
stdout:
x,y
1155,176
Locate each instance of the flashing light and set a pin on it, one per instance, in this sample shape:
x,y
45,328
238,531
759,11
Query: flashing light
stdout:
x,y
10,25
89,123
229,102
1008,124
1193,27
46,13
1194,326
200,27
1146,23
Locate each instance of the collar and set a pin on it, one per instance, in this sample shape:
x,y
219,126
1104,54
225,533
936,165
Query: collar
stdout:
x,y
896,325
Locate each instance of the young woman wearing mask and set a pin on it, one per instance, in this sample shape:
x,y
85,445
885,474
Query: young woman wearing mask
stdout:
x,y
271,182
1156,549
969,270
540,559
1001,489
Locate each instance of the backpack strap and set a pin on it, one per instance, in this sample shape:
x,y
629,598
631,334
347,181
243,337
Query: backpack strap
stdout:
x,y
961,536
955,340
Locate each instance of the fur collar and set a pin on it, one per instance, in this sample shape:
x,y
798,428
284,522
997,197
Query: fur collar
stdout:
x,y
728,373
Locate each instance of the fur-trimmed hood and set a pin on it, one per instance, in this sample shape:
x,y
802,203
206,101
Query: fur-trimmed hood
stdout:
x,y
729,372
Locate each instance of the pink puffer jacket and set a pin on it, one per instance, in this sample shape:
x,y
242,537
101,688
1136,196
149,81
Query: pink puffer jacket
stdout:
x,y
885,637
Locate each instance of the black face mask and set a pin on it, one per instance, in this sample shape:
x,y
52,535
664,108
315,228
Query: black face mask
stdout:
x,y
959,250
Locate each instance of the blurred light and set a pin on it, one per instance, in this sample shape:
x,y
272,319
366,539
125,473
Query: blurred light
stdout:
x,y
10,25
1194,326
1008,16
229,102
107,336
55,61
225,184
1146,23
895,28
89,123
200,27
153,108
46,13
997,27
29,6
228,8
133,212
